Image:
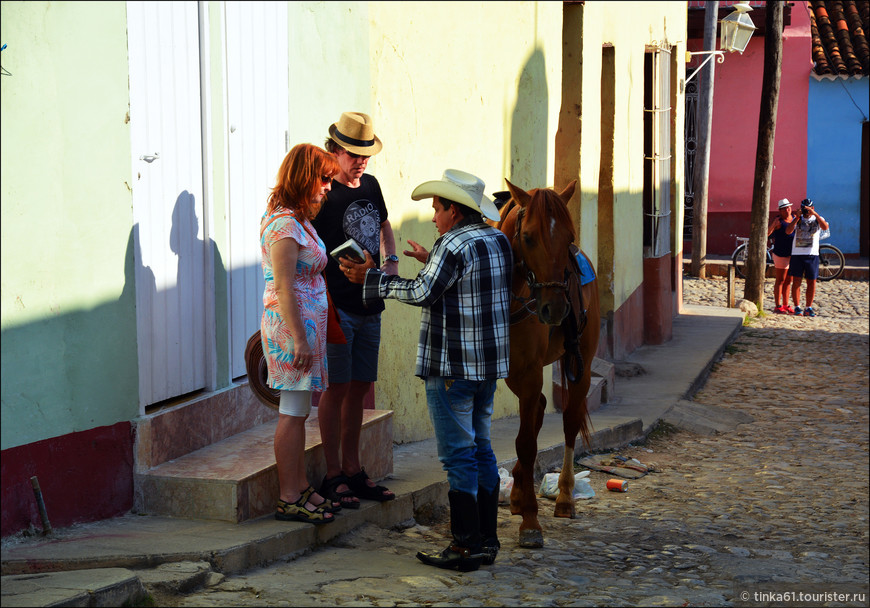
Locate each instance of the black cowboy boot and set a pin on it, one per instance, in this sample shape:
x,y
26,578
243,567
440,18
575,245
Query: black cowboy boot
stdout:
x,y
464,553
487,509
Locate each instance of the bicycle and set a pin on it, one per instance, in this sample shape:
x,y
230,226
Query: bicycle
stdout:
x,y
831,259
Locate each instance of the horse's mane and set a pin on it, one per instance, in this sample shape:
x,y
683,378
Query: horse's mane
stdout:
x,y
546,202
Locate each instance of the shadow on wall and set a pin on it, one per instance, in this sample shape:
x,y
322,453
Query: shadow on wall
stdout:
x,y
71,377
528,137
171,304
71,391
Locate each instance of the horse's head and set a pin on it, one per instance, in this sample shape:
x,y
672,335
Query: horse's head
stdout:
x,y
543,231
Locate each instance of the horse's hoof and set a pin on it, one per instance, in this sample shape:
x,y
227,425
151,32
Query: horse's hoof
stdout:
x,y
564,511
531,539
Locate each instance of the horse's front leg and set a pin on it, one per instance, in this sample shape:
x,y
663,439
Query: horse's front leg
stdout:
x,y
574,418
524,501
565,499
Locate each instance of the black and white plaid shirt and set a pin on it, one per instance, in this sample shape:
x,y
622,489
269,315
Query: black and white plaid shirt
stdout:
x,y
464,290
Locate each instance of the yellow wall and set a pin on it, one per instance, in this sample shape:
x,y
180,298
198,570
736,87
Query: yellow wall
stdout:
x,y
472,86
630,29
448,91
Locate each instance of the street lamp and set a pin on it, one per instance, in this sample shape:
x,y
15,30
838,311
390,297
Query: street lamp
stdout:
x,y
736,30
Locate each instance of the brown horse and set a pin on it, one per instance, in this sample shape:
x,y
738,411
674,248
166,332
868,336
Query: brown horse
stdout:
x,y
542,331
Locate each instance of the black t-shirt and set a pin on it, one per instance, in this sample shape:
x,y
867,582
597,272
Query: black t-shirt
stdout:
x,y
352,213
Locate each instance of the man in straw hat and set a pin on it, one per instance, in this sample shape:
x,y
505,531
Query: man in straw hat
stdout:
x,y
464,291
354,209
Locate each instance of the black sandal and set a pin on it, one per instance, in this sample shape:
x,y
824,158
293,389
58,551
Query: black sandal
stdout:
x,y
358,484
346,499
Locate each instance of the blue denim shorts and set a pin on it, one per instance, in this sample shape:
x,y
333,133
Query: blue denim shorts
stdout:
x,y
358,359
804,266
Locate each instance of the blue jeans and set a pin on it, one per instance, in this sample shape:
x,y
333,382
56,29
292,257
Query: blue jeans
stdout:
x,y
461,412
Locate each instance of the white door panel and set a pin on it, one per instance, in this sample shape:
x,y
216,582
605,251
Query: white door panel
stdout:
x,y
166,138
257,106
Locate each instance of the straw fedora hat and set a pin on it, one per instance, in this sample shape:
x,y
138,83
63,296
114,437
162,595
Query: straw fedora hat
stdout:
x,y
354,132
459,187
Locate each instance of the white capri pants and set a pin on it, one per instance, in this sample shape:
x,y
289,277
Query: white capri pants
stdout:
x,y
295,403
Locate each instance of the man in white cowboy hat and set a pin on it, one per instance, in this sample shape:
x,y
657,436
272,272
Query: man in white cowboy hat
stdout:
x,y
355,208
464,290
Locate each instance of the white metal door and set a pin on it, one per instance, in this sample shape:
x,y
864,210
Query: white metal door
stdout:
x,y
166,137
257,110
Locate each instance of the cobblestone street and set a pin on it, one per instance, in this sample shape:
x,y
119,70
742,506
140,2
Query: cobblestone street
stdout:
x,y
776,508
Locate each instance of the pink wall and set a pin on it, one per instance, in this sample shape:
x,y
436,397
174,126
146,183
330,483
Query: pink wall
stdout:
x,y
734,139
84,476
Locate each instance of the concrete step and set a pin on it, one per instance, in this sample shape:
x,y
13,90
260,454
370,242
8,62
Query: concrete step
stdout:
x,y
236,479
601,387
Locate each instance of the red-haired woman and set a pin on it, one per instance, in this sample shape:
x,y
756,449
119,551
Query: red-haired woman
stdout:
x,y
293,327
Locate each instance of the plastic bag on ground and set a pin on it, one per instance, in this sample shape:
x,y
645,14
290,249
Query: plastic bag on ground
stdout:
x,y
550,486
505,485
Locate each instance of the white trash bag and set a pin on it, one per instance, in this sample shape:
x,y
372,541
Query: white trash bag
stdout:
x,y
505,485
582,489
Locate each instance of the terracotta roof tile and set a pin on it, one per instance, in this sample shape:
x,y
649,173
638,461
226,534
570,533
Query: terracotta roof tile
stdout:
x,y
839,29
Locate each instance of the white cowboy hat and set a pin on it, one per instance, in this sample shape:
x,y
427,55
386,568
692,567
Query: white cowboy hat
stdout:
x,y
459,187
354,132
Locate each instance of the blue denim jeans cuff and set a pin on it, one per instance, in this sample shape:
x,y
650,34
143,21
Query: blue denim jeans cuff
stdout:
x,y
461,413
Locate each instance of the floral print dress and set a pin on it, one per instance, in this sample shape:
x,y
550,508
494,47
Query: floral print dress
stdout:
x,y
310,291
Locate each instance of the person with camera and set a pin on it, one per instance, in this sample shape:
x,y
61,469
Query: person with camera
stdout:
x,y
804,262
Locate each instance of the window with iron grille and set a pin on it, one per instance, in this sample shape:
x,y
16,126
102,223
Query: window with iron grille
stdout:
x,y
657,127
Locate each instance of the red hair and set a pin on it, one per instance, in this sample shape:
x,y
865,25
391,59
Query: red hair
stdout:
x,y
299,178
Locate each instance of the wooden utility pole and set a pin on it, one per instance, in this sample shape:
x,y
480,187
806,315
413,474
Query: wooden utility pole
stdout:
x,y
702,160
756,265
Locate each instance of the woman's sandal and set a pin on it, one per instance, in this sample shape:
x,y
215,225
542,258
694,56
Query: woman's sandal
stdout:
x,y
330,506
347,499
289,511
358,484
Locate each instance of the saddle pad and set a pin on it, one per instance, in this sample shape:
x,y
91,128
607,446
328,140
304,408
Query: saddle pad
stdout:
x,y
587,273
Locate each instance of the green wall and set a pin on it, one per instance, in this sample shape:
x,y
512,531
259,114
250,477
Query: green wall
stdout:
x,y
68,341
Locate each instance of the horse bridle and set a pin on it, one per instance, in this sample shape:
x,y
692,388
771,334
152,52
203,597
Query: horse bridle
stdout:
x,y
531,279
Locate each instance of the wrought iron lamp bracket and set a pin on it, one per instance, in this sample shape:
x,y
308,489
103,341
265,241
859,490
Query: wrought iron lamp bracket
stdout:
x,y
719,55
